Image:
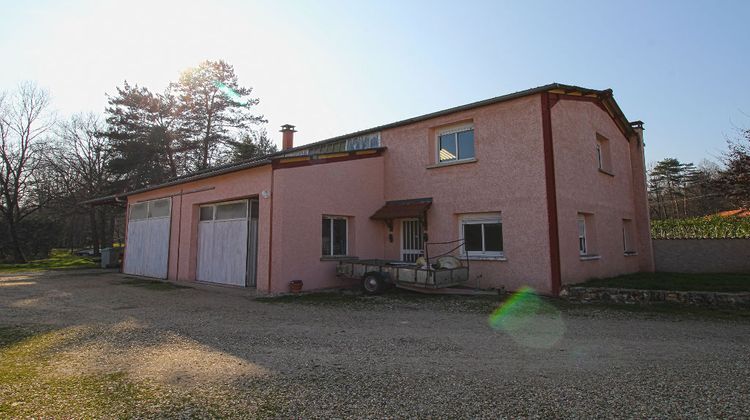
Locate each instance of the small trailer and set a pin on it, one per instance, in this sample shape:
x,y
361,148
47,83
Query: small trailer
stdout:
x,y
376,275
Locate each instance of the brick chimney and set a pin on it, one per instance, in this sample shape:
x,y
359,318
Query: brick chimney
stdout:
x,y
287,136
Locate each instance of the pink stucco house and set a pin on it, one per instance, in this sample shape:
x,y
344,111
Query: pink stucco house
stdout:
x,y
545,187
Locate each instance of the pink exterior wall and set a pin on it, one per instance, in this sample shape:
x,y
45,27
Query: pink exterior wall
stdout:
x,y
302,195
183,244
581,187
508,177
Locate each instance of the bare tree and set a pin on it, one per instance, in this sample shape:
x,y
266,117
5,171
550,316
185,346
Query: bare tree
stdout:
x,y
24,119
80,159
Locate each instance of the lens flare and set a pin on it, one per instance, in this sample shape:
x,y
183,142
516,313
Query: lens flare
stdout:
x,y
231,94
529,320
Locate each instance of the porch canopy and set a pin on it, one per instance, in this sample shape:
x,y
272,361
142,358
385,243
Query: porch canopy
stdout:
x,y
403,209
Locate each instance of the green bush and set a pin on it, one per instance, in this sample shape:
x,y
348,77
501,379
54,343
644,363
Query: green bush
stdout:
x,y
701,228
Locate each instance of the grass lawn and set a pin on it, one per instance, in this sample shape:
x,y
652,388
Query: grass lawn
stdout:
x,y
676,281
58,259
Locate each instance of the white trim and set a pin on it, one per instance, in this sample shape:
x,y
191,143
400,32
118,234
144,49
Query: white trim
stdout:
x,y
453,130
402,250
346,224
148,204
451,163
480,219
215,205
581,222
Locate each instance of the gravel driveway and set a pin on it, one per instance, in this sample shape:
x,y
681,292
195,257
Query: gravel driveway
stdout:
x,y
391,356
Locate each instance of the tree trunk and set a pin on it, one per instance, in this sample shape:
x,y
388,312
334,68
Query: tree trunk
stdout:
x,y
18,256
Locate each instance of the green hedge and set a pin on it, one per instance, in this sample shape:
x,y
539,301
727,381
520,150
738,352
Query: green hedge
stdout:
x,y
701,228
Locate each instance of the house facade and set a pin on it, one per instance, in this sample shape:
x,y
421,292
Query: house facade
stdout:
x,y
538,188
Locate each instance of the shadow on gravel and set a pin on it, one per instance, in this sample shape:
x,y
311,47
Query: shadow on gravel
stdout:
x,y
395,297
11,335
152,284
485,304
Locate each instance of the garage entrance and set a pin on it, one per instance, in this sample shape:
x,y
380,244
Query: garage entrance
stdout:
x,y
227,243
148,238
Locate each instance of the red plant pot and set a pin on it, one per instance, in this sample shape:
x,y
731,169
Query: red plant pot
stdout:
x,y
295,286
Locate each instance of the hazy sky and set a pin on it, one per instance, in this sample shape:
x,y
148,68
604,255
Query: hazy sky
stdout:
x,y
332,67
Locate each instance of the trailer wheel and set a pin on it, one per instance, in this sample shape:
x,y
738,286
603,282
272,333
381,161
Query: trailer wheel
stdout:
x,y
373,283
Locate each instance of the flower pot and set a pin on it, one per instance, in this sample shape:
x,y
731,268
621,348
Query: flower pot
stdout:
x,y
295,286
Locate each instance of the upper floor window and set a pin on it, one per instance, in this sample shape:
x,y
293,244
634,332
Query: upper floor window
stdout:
x,y
482,235
335,235
456,144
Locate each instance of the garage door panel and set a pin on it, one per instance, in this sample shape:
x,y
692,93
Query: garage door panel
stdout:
x,y
158,247
205,243
222,252
222,244
147,247
231,251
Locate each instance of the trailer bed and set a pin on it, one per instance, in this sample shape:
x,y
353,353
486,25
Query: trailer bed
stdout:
x,y
404,274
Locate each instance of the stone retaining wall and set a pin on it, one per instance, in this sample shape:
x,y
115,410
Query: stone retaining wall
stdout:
x,y
612,295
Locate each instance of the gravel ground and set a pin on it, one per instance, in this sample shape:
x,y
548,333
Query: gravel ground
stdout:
x,y
391,356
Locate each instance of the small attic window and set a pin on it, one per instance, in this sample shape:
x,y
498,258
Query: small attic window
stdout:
x,y
603,156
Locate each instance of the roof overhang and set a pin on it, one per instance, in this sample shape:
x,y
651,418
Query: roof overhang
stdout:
x,y
403,209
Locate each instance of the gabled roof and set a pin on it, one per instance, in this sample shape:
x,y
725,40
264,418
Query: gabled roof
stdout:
x,y
605,95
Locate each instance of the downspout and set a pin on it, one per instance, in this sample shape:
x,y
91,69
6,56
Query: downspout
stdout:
x,y
551,189
270,233
179,237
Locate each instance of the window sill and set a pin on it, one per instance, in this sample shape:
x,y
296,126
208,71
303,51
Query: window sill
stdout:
x,y
484,258
590,257
631,254
606,172
451,163
337,257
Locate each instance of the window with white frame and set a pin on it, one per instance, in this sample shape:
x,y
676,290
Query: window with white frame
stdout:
x,y
482,235
455,144
582,245
153,209
335,234
232,210
628,237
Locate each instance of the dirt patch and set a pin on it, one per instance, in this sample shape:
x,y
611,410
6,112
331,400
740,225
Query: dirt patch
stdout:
x,y
159,356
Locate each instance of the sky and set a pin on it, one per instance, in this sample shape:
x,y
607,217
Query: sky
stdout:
x,y
334,67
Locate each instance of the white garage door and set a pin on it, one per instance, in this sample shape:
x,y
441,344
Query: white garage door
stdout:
x,y
147,247
222,243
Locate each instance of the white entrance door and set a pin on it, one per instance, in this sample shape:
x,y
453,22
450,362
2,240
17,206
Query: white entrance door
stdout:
x,y
412,240
147,247
222,243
